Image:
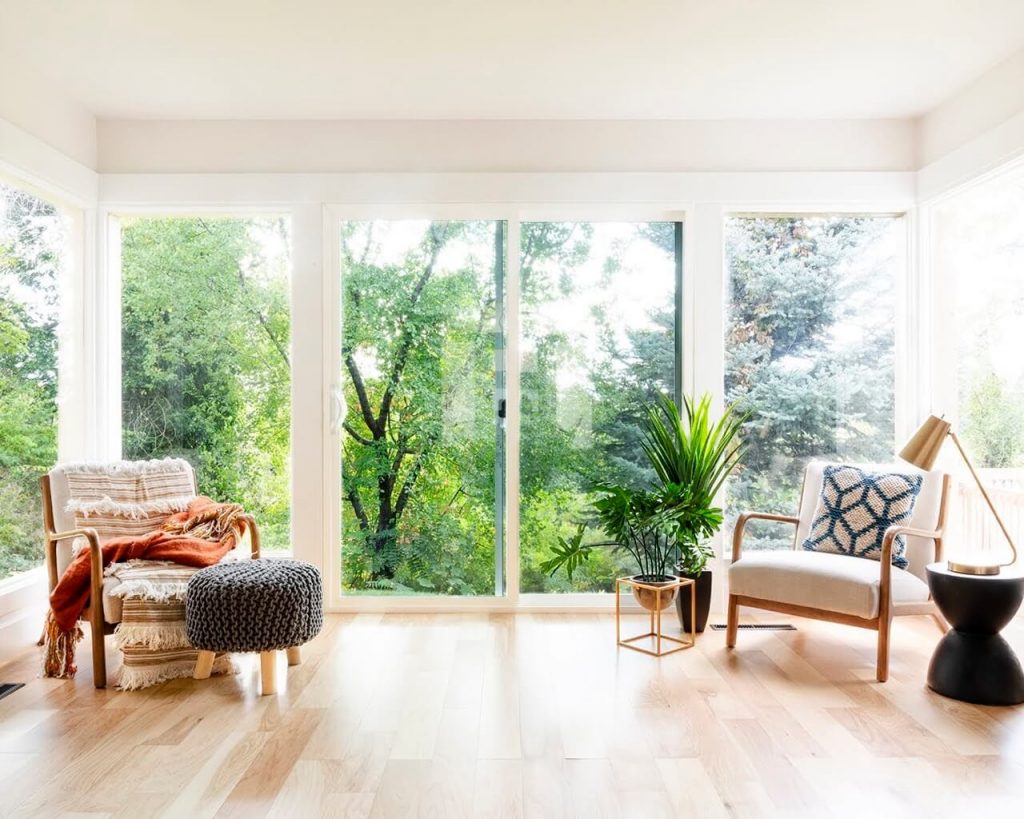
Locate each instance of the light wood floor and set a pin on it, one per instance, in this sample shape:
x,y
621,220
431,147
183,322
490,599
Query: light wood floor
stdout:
x,y
535,715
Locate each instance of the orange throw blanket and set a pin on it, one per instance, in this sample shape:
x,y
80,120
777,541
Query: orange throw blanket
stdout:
x,y
199,536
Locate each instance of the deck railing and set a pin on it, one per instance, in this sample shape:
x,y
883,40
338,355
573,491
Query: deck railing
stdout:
x,y
972,528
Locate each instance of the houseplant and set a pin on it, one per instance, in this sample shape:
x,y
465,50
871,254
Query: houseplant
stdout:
x,y
636,522
667,526
698,453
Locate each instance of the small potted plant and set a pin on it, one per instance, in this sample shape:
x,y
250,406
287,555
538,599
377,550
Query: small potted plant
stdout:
x,y
635,520
668,526
697,453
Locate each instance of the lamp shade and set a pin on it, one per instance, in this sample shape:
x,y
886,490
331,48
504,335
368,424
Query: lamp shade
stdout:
x,y
923,448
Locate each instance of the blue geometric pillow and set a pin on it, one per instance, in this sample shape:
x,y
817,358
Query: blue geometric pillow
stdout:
x,y
855,509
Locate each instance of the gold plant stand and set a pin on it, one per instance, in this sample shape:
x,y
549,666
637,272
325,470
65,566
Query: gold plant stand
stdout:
x,y
655,621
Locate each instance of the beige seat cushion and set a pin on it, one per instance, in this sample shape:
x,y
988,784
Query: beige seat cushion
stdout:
x,y
818,580
112,606
118,583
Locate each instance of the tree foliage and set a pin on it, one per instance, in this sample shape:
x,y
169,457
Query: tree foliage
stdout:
x,y
419,353
205,373
809,351
32,235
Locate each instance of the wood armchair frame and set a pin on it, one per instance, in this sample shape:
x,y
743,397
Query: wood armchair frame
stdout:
x,y
98,626
882,623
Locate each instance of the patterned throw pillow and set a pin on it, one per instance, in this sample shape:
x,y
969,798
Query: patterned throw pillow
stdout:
x,y
855,509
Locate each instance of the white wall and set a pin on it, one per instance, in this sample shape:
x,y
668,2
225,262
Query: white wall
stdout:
x,y
505,146
43,110
981,106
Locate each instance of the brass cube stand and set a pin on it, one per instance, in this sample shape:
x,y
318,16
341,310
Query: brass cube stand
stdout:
x,y
655,622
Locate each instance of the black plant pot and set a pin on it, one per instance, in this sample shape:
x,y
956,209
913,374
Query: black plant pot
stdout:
x,y
702,589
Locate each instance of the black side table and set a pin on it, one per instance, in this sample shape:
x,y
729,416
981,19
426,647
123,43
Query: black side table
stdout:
x,y
973,662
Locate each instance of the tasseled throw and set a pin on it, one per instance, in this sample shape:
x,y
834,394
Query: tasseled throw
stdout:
x,y
59,655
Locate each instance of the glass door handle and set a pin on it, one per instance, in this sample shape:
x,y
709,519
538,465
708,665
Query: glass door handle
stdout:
x,y
339,409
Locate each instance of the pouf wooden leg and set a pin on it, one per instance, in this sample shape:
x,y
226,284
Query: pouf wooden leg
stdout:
x,y
268,671
204,665
295,655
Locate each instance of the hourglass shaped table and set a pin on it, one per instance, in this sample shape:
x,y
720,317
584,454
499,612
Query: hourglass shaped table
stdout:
x,y
973,662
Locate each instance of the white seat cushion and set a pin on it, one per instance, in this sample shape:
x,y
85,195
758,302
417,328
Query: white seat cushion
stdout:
x,y
819,580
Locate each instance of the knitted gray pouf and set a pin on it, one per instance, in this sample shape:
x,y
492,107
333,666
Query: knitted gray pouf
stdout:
x,y
253,605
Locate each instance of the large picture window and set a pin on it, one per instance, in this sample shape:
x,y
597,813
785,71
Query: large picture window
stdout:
x,y
33,238
206,371
810,337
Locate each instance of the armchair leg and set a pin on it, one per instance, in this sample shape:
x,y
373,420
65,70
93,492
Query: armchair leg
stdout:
x,y
733,621
99,653
882,668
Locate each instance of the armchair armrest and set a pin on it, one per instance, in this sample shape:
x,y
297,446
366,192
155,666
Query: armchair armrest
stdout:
x,y
93,539
254,534
741,525
888,541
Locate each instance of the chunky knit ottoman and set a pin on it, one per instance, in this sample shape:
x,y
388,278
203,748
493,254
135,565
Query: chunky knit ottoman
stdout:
x,y
253,606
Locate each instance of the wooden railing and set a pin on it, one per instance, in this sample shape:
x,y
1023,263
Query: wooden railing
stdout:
x,y
971,525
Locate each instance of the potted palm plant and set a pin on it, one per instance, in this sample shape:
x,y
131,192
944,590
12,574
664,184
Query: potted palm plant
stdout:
x,y
698,454
667,527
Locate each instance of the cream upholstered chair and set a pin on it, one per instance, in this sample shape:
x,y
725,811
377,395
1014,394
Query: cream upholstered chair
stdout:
x,y
840,588
171,479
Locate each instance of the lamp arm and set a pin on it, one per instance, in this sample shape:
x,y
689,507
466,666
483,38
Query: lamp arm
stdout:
x,y
988,500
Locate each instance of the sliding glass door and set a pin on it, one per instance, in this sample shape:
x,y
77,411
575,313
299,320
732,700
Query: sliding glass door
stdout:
x,y
422,409
422,359
599,306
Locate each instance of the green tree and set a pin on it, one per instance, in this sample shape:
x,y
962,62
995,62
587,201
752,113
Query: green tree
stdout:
x,y
993,424
32,234
205,357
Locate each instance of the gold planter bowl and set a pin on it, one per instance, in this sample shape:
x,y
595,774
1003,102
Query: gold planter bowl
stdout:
x,y
654,600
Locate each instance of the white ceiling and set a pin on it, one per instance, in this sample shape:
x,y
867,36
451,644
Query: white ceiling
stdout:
x,y
517,59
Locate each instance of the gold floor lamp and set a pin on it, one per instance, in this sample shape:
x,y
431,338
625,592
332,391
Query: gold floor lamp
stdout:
x,y
921,451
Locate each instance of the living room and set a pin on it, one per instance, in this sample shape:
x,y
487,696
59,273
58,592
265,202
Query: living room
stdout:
x,y
475,409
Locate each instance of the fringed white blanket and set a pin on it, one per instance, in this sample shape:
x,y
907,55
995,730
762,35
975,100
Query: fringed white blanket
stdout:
x,y
151,636
128,498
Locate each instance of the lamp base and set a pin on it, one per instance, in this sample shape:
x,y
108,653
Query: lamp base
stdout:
x,y
985,570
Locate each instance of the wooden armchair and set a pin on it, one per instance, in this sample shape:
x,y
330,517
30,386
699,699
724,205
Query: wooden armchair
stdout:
x,y
155,481
840,588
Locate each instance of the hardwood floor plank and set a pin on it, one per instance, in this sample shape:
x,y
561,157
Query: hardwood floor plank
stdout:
x,y
260,784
